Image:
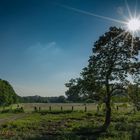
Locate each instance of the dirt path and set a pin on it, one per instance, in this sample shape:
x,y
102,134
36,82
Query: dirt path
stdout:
x,y
12,118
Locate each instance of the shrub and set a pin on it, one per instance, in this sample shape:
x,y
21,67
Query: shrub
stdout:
x,y
18,110
89,101
89,114
6,111
122,126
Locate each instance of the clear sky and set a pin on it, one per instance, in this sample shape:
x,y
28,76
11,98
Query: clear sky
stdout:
x,y
43,44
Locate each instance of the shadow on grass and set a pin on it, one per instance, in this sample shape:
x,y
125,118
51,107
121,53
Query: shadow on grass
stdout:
x,y
82,133
66,137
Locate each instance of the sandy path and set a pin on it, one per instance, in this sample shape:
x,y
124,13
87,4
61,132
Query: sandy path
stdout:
x,y
12,118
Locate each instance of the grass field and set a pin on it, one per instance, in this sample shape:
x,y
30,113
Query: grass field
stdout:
x,y
57,106
66,124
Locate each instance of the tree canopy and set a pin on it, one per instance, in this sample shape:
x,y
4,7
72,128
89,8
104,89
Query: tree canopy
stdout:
x,y
7,93
113,65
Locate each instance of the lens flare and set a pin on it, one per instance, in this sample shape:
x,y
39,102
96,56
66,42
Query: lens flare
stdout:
x,y
133,24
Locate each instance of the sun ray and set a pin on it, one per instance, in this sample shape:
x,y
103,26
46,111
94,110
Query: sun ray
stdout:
x,y
132,44
128,9
135,10
130,24
118,36
91,14
126,35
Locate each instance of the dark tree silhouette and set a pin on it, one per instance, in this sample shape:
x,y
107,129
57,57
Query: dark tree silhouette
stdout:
x,y
7,94
114,61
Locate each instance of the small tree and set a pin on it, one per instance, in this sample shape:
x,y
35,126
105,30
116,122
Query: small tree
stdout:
x,y
73,92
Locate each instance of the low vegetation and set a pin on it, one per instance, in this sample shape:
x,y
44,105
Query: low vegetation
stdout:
x,y
69,125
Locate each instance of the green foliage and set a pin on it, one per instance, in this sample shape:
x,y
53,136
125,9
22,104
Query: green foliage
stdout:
x,y
89,101
120,99
7,94
16,110
68,126
134,95
73,94
89,114
39,99
44,112
113,59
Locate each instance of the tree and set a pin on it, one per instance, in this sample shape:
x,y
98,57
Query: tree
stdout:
x,y
61,99
82,89
73,93
112,63
7,93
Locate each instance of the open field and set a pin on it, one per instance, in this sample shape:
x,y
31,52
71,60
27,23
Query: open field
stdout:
x,y
57,106
67,124
29,107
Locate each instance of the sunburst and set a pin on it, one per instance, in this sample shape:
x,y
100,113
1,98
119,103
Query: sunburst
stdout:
x,y
130,24
133,24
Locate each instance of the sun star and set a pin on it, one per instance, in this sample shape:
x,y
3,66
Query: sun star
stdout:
x,y
133,24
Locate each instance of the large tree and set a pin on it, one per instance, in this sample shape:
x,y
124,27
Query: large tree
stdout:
x,y
112,66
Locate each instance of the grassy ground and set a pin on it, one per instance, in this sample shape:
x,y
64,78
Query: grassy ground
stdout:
x,y
69,125
57,106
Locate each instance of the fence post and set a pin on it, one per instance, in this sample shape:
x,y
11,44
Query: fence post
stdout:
x,y
61,108
39,109
117,107
50,108
85,108
35,109
98,108
72,108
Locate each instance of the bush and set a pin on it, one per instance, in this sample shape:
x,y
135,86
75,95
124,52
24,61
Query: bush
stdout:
x,y
6,111
123,126
83,130
44,112
89,114
89,101
135,134
121,118
18,110
124,105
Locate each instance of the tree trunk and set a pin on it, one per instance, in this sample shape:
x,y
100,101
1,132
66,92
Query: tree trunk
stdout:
x,y
107,116
108,110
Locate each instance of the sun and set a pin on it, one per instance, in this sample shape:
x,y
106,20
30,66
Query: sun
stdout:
x,y
130,24
133,24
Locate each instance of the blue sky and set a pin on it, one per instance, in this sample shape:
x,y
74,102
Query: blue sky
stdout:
x,y
44,44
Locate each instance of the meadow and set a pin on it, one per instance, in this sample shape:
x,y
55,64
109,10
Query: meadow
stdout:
x,y
64,123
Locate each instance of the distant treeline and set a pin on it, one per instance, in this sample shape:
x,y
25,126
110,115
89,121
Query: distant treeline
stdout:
x,y
39,99
63,99
8,96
